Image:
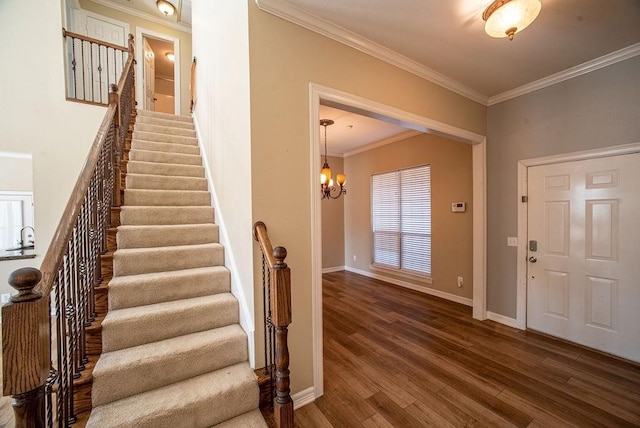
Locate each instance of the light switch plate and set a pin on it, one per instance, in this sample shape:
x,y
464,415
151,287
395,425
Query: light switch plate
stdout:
x,y
512,241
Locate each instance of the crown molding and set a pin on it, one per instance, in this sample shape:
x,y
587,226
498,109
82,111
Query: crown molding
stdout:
x,y
143,15
570,73
293,14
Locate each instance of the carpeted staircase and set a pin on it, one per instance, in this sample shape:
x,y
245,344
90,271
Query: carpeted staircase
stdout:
x,y
174,354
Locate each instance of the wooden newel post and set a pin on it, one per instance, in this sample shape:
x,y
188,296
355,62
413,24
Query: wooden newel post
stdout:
x,y
281,317
26,354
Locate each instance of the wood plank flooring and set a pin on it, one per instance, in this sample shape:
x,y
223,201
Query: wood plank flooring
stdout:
x,y
398,358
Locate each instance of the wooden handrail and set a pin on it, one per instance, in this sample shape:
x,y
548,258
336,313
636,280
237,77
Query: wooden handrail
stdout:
x,y
67,279
66,33
277,288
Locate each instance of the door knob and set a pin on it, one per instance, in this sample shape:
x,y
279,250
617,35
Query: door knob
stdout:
x,y
533,259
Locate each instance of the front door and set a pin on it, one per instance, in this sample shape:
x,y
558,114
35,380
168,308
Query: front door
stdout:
x,y
583,280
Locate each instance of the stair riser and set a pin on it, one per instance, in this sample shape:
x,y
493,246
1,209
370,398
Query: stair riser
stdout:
x,y
156,182
168,130
166,215
112,385
134,197
161,157
179,406
165,169
161,236
121,334
165,116
165,147
163,122
166,261
164,138
141,291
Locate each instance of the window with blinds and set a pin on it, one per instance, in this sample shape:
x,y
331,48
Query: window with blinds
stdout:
x,y
401,219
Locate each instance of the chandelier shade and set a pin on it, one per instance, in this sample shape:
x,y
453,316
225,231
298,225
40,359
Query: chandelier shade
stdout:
x,y
504,18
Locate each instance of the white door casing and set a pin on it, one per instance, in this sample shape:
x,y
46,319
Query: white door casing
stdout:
x,y
149,76
582,279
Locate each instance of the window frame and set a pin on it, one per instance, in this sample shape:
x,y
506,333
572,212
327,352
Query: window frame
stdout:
x,y
400,270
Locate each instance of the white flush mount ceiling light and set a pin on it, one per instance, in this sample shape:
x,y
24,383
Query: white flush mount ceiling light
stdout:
x,y
506,17
165,7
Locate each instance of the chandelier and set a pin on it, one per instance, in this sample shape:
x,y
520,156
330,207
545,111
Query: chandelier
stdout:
x,y
328,190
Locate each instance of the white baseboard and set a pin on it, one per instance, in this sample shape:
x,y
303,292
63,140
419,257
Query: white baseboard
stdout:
x,y
508,321
437,293
303,398
333,269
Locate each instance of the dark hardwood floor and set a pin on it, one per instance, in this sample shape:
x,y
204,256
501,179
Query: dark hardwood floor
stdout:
x,y
398,358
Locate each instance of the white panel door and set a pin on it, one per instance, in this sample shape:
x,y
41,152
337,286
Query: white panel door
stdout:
x,y
584,277
104,65
149,77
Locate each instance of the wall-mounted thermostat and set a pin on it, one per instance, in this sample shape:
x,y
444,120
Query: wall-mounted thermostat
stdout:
x,y
458,207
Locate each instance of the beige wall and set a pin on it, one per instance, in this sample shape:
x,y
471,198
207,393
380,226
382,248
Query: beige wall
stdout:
x,y
333,222
285,58
35,117
16,172
598,109
451,181
135,22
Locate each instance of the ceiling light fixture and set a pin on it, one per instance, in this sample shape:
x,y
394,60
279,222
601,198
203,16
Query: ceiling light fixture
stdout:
x,y
326,182
165,7
170,56
506,17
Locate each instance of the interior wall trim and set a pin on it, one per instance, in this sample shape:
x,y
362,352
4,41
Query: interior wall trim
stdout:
x,y
570,73
318,93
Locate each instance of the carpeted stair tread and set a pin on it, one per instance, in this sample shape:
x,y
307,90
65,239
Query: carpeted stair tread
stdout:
x,y
134,261
164,122
172,169
166,215
169,130
124,328
165,182
165,147
123,373
166,116
147,236
251,419
164,138
163,157
143,197
157,287
201,401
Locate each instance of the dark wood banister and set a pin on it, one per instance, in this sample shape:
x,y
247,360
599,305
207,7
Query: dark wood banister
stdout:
x,y
26,326
66,33
280,297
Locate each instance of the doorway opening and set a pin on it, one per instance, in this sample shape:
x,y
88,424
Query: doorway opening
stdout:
x,y
344,101
158,79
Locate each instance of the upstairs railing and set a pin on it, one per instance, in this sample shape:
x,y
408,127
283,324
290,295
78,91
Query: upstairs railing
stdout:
x,y
92,67
47,354
276,286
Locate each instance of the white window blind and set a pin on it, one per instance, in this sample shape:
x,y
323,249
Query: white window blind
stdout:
x,y
401,219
